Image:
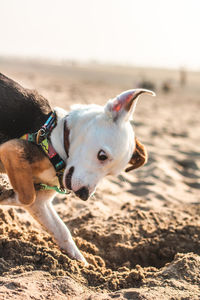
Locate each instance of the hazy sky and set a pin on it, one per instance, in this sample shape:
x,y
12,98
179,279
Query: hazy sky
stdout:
x,y
143,32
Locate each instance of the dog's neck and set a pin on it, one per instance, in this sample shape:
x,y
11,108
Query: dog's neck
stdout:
x,y
61,135
57,136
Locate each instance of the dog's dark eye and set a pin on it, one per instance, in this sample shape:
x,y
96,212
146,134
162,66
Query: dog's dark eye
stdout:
x,y
102,155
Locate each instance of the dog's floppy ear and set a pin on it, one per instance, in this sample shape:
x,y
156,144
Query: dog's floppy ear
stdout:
x,y
122,106
139,157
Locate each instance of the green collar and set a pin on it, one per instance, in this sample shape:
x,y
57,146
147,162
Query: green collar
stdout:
x,y
55,188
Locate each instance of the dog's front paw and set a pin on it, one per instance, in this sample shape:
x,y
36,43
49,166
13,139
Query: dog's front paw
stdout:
x,y
81,258
74,253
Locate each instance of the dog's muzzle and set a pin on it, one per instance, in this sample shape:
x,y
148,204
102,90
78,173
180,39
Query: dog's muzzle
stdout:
x,y
83,192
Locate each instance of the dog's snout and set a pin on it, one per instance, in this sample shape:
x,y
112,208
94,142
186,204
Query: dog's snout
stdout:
x,y
68,178
83,193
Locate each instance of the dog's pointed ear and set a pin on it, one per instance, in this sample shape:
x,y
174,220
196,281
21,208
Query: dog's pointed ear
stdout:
x,y
122,106
139,157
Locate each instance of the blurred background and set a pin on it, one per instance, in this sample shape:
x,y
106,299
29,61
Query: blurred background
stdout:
x,y
139,33
136,35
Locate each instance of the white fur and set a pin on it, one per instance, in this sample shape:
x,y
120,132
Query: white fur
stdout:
x,y
92,129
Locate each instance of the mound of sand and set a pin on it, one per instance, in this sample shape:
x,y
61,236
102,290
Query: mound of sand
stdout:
x,y
136,252
141,231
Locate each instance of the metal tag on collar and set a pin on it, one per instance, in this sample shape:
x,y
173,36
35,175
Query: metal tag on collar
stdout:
x,y
41,135
46,129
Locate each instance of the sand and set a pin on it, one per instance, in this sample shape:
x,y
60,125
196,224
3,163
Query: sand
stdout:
x,y
141,231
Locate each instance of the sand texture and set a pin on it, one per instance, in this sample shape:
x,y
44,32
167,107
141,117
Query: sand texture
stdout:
x,y
140,232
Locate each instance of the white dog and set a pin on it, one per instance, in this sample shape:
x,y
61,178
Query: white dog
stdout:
x,y
72,150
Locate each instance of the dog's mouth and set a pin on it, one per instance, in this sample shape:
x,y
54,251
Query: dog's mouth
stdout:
x,y
68,178
82,193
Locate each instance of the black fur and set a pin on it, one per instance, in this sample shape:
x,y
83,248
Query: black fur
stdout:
x,y
21,110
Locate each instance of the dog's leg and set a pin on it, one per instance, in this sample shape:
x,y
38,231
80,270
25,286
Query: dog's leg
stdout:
x,y
19,172
38,203
42,210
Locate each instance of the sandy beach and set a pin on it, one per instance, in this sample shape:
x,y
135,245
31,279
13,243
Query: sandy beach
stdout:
x,y
140,232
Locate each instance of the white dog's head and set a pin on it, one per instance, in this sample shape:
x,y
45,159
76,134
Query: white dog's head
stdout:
x,y
102,142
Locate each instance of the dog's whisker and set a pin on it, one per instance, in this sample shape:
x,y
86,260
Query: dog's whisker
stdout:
x,y
93,197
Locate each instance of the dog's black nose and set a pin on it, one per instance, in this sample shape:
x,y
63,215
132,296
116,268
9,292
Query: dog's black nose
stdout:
x,y
83,193
68,178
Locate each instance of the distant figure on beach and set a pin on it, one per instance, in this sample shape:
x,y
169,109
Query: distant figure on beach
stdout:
x,y
146,84
167,86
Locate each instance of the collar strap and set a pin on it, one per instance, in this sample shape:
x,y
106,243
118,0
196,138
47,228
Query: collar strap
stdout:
x,y
42,138
43,132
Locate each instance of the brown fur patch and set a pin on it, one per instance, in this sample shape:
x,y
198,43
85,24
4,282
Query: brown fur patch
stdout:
x,y
139,157
23,162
